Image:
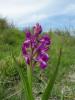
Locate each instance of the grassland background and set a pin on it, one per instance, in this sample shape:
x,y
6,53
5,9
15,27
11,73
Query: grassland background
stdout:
x,y
11,40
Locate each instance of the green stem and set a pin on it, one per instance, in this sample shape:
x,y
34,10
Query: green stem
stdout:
x,y
29,77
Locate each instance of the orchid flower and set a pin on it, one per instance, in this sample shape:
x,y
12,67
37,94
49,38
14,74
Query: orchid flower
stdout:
x,y
35,47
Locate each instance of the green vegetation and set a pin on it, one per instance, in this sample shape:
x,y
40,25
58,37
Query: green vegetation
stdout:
x,y
11,40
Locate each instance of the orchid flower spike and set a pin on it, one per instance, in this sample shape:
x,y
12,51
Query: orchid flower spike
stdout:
x,y
35,47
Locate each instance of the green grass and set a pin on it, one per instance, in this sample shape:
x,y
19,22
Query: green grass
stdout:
x,y
10,87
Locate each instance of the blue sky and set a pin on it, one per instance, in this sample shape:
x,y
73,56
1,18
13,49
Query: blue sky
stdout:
x,y
49,13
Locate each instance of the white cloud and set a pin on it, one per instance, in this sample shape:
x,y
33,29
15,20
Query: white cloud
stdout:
x,y
14,8
28,11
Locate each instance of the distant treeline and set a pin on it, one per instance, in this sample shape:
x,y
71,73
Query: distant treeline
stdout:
x,y
4,24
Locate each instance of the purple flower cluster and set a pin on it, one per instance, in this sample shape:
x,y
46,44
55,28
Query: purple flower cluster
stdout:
x,y
35,47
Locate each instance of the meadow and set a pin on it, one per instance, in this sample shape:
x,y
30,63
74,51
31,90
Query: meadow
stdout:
x,y
11,40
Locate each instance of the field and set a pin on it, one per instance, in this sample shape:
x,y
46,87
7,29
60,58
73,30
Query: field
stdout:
x,y
11,40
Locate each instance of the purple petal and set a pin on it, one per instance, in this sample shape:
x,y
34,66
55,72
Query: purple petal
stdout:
x,y
24,50
44,56
27,58
37,29
26,43
45,48
43,64
28,34
45,39
42,59
42,47
25,54
33,41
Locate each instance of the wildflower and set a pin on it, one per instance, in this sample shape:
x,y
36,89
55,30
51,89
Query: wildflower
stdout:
x,y
35,47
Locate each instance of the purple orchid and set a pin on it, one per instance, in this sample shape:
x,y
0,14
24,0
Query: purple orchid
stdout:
x,y
35,47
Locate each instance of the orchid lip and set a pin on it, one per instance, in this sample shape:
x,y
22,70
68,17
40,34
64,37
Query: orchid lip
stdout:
x,y
43,64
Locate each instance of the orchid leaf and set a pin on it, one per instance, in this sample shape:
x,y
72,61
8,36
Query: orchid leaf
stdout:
x,y
24,81
51,82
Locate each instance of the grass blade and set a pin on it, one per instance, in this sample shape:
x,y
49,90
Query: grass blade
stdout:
x,y
62,95
23,80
